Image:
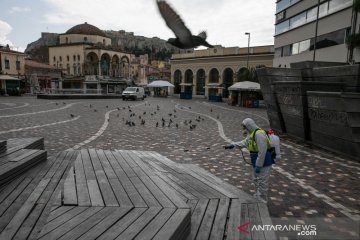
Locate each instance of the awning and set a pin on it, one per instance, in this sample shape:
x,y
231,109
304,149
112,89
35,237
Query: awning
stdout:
x,y
246,85
7,77
160,83
214,85
185,84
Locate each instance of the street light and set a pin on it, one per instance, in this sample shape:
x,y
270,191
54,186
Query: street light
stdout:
x,y
247,62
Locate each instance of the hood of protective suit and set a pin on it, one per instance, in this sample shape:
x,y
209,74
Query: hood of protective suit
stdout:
x,y
249,124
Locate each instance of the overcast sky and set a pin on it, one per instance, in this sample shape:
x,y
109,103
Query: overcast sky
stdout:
x,y
226,21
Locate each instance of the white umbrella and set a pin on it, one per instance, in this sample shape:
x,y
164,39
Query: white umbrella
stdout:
x,y
246,85
160,83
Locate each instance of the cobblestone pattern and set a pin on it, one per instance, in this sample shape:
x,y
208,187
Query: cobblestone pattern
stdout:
x,y
336,177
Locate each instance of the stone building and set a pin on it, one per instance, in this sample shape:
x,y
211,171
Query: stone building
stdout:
x,y
89,61
11,70
212,71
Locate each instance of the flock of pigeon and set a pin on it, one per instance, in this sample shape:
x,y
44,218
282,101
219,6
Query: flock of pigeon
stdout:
x,y
171,121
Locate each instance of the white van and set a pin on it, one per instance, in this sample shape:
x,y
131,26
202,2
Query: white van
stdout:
x,y
133,93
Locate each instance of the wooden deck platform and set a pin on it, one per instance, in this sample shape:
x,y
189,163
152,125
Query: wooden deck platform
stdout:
x,y
15,158
96,194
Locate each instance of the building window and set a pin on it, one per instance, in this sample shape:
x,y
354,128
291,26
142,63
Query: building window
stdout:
x,y
294,48
78,57
331,39
325,9
286,50
280,16
7,64
18,65
298,20
54,59
60,58
283,4
75,70
304,46
67,40
85,39
68,58
282,27
278,52
74,58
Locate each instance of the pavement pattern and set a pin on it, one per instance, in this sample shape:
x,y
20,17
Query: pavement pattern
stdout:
x,y
307,182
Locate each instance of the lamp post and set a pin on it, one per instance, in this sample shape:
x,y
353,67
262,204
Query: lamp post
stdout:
x,y
247,62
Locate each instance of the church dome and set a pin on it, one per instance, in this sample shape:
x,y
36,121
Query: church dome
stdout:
x,y
86,29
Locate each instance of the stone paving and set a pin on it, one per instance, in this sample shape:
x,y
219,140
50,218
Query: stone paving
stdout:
x,y
306,182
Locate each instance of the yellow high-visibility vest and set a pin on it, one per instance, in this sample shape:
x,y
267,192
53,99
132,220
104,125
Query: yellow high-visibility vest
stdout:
x,y
252,146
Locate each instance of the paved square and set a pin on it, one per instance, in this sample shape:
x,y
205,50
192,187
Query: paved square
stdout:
x,y
306,182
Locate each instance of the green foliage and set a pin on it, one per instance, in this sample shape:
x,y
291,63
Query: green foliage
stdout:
x,y
353,41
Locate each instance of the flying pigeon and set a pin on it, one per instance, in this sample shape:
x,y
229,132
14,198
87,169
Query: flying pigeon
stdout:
x,y
184,39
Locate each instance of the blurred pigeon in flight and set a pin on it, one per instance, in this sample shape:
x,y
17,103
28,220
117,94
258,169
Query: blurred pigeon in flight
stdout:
x,y
184,39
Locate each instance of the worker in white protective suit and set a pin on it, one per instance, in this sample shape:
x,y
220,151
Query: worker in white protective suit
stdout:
x,y
259,145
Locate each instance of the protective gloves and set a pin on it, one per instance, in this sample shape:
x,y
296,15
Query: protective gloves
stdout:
x,y
257,169
229,146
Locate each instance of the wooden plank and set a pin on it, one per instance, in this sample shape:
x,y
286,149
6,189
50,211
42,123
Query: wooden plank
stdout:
x,y
179,190
199,186
163,194
120,193
71,223
88,224
131,191
156,224
145,193
185,185
95,194
244,219
58,212
218,229
29,222
63,218
126,156
139,160
139,224
88,168
7,190
104,185
172,165
169,192
195,171
208,219
57,174
20,216
254,218
192,204
146,157
102,226
117,228
233,192
197,216
25,154
124,165
266,220
179,220
106,165
70,195
234,219
81,184
14,195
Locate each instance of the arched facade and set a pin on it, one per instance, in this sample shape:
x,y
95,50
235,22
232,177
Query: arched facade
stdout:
x,y
215,71
177,81
91,64
188,84
228,80
200,82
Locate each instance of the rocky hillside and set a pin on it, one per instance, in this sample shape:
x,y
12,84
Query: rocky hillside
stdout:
x,y
156,48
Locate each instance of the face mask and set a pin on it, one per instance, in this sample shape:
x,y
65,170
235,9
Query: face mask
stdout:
x,y
245,132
